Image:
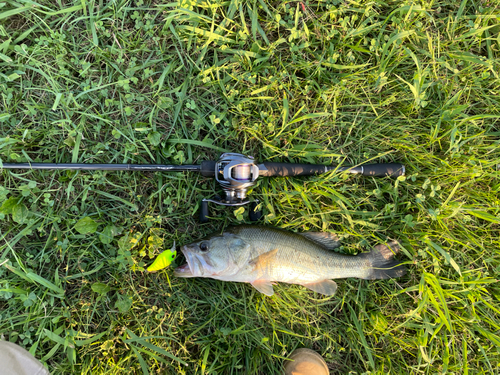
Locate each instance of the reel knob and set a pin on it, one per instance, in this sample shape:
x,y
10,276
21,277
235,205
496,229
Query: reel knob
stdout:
x,y
204,211
253,214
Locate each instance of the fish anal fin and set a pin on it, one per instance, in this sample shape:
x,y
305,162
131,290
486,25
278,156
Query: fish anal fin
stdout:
x,y
326,287
264,286
327,240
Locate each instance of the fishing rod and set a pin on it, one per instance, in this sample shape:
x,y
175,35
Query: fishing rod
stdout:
x,y
235,173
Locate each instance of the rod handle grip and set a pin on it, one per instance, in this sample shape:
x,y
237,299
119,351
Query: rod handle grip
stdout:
x,y
291,169
384,169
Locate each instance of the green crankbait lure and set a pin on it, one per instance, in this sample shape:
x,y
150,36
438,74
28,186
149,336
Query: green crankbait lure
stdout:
x,y
163,260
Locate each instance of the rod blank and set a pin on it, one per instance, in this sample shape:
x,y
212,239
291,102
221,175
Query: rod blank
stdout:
x,y
102,167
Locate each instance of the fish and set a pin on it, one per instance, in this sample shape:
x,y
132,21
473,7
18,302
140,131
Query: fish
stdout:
x,y
261,255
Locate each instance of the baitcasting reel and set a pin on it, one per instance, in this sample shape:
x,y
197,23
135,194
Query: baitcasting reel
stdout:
x,y
236,173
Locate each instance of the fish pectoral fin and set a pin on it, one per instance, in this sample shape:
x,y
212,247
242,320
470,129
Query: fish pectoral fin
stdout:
x,y
264,286
327,287
263,260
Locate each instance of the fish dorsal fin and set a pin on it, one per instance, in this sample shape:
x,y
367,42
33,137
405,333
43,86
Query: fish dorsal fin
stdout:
x,y
327,287
327,240
263,260
264,286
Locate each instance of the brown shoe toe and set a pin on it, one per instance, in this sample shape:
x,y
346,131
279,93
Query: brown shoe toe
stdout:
x,y
305,362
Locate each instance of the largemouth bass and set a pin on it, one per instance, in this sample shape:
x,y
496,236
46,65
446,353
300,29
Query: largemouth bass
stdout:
x,y
260,255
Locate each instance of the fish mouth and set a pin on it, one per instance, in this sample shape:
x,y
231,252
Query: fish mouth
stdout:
x,y
183,271
186,269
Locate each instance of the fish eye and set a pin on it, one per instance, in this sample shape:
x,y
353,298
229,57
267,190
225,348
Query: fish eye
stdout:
x,y
203,246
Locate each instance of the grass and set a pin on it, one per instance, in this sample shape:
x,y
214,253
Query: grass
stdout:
x,y
329,82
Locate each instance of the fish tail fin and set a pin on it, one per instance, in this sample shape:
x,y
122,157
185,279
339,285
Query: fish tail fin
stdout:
x,y
382,262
